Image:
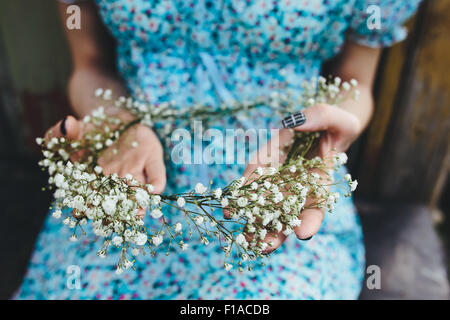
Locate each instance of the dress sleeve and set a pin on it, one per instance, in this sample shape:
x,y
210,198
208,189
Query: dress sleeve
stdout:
x,y
379,23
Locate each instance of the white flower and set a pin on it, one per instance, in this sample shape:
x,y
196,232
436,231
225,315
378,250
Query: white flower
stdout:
x,y
199,219
39,141
261,201
271,171
140,239
107,94
341,158
150,188
157,240
278,225
262,234
263,246
292,169
254,185
218,193
178,227
200,188
224,203
127,264
267,217
183,246
59,180
353,185
57,214
181,202
156,213
142,197
241,241
259,171
278,197
156,199
117,240
98,169
98,92
204,240
348,177
119,270
354,82
295,222
73,238
109,205
242,202
228,266
288,231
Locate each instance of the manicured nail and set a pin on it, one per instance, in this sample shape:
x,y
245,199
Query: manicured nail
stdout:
x,y
62,126
294,120
307,239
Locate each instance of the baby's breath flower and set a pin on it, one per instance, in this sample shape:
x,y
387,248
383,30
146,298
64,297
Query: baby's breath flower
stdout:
x,y
218,193
117,241
57,214
181,202
157,240
259,171
140,239
178,227
228,266
224,203
270,201
200,188
353,185
156,213
242,202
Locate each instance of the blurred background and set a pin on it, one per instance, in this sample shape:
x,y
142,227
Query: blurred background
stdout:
x,y
401,162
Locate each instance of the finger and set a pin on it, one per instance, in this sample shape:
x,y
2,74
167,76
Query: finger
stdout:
x,y
226,213
274,241
137,175
69,128
110,167
155,172
141,213
311,220
322,117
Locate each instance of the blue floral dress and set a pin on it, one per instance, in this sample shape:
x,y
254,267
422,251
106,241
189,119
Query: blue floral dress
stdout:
x,y
210,52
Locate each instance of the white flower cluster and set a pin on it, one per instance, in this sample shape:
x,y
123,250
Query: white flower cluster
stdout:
x,y
269,202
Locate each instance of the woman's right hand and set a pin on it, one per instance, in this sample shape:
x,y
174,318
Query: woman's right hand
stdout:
x,y
144,161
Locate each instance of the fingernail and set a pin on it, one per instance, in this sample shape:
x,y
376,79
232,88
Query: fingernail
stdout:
x,y
294,120
307,239
62,126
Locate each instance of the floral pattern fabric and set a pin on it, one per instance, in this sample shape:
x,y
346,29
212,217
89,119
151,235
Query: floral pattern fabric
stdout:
x,y
208,52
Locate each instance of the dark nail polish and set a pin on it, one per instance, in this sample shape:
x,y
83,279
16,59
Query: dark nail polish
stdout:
x,y
307,239
294,120
62,126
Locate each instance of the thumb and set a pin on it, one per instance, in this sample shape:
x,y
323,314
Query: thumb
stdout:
x,y
69,128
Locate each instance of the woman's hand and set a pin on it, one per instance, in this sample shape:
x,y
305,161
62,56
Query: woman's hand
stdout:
x,y
144,161
339,129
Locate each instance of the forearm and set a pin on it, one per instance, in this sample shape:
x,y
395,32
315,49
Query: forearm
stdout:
x,y
82,85
359,63
362,107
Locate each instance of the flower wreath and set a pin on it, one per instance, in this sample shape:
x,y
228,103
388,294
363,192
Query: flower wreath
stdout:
x,y
270,200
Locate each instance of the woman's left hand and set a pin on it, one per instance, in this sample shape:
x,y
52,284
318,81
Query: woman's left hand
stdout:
x,y
339,129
